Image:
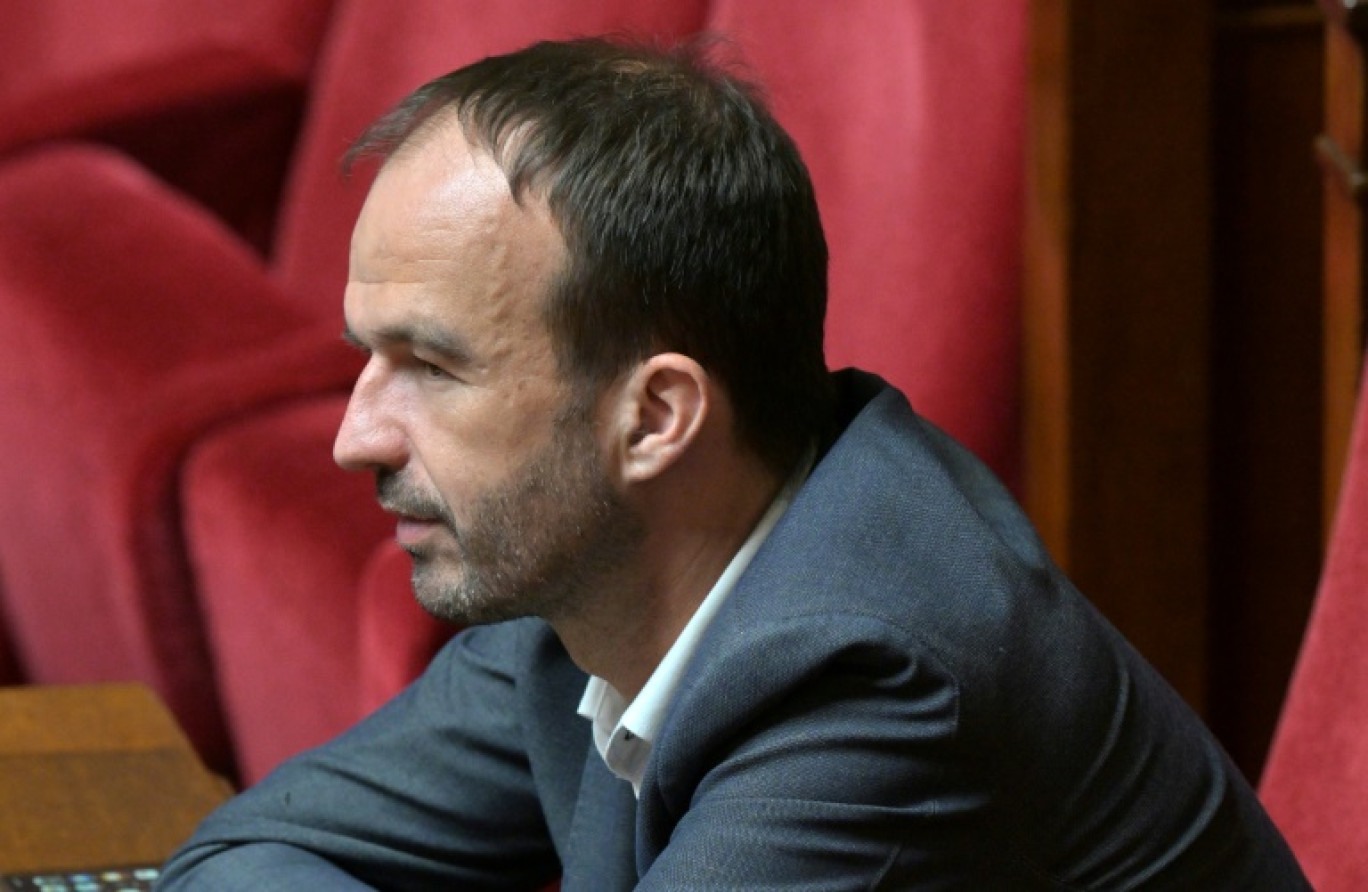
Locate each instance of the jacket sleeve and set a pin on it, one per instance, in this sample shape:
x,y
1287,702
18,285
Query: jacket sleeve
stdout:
x,y
433,790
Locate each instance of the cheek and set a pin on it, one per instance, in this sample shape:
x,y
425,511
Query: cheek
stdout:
x,y
467,450
453,472
462,464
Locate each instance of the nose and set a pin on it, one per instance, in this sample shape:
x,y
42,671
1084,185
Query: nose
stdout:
x,y
370,437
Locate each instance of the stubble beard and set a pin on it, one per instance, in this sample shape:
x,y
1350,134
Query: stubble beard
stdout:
x,y
543,543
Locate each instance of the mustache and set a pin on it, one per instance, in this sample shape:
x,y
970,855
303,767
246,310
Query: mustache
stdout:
x,y
398,496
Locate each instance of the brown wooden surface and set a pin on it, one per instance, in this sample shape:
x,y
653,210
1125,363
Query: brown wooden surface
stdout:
x,y
1117,304
1266,534
1342,158
94,776
1180,396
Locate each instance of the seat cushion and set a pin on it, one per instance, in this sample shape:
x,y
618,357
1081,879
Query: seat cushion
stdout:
x,y
134,321
279,538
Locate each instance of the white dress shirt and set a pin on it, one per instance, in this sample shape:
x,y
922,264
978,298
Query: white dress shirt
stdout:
x,y
623,732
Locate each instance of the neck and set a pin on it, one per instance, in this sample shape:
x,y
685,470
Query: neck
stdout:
x,y
694,529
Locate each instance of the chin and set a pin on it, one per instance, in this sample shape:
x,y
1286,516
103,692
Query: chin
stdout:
x,y
452,598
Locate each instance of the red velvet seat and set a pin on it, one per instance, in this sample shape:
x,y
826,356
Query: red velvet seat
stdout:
x,y
139,341
1316,778
133,323
207,96
280,538
205,93
69,66
910,117
396,637
313,624
376,54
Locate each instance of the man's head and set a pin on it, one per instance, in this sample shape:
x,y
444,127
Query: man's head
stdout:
x,y
477,443
548,227
688,217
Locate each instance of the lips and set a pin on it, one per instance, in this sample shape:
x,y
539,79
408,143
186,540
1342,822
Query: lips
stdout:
x,y
412,530
418,514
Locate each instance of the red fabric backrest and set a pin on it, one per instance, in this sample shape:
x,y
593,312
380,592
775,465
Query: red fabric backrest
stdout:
x,y
102,384
1315,784
70,65
206,94
910,116
376,55
908,112
395,637
279,538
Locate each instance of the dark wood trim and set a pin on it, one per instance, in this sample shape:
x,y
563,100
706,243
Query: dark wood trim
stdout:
x,y
1350,15
1117,302
1267,359
1345,256
1270,18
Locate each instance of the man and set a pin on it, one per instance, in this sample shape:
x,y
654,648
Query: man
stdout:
x,y
739,623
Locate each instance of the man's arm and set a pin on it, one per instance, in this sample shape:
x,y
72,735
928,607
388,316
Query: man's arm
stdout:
x,y
433,790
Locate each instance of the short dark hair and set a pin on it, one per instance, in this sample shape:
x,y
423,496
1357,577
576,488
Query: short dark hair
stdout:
x,y
688,215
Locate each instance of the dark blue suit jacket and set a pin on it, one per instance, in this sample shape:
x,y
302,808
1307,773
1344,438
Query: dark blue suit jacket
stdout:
x,y
902,692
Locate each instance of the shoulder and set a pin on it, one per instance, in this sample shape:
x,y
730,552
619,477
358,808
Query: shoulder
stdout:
x,y
902,643
901,551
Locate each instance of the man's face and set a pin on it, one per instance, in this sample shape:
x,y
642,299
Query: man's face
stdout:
x,y
493,468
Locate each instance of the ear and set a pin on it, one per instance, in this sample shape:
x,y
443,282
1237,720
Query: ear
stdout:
x,y
660,411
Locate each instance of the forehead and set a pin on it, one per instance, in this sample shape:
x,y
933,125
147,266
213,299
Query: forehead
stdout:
x,y
441,219
443,193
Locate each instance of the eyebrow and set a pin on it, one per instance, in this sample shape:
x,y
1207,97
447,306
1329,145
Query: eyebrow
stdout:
x,y
440,341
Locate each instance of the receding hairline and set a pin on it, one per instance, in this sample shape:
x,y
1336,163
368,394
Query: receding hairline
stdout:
x,y
432,133
705,61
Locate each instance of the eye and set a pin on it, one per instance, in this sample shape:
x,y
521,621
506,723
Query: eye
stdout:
x,y
430,370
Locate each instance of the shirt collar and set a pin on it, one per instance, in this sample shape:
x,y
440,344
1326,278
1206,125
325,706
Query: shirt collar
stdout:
x,y
624,732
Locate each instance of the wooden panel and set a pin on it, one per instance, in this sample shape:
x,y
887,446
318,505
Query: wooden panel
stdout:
x,y
1342,154
1117,312
1266,374
95,776
1183,374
